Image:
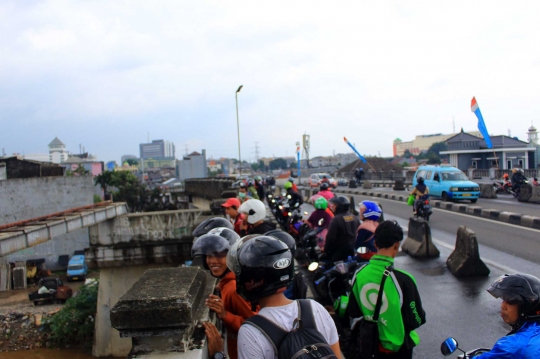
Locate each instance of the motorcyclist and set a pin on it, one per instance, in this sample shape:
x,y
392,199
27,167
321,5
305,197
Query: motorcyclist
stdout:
x,y
320,219
506,181
255,212
420,190
295,200
517,179
295,188
521,310
260,187
324,190
252,190
341,235
370,212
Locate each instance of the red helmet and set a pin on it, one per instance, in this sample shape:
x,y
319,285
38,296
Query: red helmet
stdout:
x,y
505,175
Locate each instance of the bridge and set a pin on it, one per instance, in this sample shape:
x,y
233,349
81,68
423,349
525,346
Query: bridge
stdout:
x,y
140,257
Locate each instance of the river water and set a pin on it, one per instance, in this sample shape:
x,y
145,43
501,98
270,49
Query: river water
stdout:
x,y
45,353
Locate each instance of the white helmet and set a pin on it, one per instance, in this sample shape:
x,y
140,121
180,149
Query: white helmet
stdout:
x,y
254,209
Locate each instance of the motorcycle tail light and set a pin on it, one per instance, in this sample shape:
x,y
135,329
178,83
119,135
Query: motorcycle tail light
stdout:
x,y
426,202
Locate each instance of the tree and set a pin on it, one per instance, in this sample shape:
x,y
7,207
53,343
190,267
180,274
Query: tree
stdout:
x,y
437,147
262,166
132,161
408,154
293,165
278,163
81,171
255,166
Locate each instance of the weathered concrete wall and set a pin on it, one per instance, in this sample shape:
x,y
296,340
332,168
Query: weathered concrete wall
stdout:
x,y
27,198
114,283
209,188
33,197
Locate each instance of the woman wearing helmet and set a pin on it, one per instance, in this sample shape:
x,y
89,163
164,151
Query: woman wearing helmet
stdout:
x,y
370,212
521,310
230,308
263,273
420,190
324,190
320,218
255,213
341,235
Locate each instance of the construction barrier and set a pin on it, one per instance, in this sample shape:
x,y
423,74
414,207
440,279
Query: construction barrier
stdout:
x,y
465,259
418,242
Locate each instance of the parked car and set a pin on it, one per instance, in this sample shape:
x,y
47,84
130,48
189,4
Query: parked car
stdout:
x,y
50,290
77,268
316,178
448,183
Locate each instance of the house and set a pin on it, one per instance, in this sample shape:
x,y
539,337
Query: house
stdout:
x,y
466,151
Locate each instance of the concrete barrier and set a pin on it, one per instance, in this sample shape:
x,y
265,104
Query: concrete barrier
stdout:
x,y
510,217
530,221
230,193
418,242
465,259
367,184
535,195
352,184
487,191
398,185
525,193
490,214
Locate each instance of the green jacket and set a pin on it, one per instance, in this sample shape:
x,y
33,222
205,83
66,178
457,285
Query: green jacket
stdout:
x,y
401,310
252,191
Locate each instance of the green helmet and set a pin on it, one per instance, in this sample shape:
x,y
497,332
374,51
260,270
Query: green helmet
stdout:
x,y
287,185
321,203
257,178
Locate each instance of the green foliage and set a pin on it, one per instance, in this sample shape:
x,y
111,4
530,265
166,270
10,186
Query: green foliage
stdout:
x,y
293,165
255,166
262,166
74,323
81,171
278,163
132,161
97,198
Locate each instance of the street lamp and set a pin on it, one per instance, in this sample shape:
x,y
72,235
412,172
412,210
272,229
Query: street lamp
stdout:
x,y
238,128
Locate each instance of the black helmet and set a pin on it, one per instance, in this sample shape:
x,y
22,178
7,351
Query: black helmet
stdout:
x,y
209,224
210,244
324,186
519,288
420,179
342,204
265,264
226,233
284,237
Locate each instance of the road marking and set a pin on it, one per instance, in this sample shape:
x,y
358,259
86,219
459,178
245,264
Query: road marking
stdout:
x,y
465,215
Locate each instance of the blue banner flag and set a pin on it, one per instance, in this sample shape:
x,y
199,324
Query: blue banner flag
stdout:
x,y
354,149
481,124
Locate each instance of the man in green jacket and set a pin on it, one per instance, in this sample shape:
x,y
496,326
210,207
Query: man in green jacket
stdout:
x,y
401,310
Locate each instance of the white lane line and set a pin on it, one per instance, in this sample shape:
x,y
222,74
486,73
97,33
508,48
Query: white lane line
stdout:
x,y
466,215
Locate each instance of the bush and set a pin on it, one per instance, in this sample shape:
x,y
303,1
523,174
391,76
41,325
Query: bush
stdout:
x,y
97,198
73,325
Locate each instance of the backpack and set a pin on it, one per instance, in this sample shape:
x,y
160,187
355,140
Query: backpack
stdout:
x,y
304,341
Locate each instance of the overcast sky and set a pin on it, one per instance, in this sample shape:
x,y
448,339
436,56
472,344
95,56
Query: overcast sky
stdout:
x,y
110,74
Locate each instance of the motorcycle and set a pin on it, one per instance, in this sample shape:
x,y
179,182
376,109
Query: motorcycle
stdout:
x,y
502,187
307,245
424,209
450,345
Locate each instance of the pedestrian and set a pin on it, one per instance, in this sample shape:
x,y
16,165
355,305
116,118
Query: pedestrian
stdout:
x,y
401,311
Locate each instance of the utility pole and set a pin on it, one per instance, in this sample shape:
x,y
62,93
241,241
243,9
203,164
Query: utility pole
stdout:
x,y
257,152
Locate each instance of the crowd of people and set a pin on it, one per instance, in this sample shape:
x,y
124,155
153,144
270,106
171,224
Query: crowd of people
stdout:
x,y
264,317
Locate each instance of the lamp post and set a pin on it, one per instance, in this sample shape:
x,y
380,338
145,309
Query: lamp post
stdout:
x,y
238,128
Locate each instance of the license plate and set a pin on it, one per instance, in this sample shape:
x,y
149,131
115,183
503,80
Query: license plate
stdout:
x,y
466,195
75,278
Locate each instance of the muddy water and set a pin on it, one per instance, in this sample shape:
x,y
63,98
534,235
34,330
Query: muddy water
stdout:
x,y
46,354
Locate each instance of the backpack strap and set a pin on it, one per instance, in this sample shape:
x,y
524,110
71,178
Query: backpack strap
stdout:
x,y
305,313
271,331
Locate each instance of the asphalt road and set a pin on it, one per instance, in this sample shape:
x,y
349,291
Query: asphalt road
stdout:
x,y
461,307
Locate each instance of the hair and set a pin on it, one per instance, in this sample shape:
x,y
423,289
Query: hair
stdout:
x,y
388,233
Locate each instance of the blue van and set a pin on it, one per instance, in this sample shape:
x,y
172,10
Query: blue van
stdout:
x,y
448,183
77,268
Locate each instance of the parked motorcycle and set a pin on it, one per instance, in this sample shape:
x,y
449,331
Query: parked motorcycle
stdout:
x,y
450,345
424,209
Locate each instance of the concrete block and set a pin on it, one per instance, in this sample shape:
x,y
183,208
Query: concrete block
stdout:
x,y
418,242
447,206
510,217
474,210
436,204
487,191
465,259
459,207
530,221
398,185
525,193
230,193
352,184
367,184
490,213
535,195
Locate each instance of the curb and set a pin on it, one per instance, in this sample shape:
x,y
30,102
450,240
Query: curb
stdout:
x,y
517,219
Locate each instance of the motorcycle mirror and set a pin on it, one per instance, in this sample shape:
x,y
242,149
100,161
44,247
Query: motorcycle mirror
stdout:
x,y
313,266
362,250
321,221
449,346
307,213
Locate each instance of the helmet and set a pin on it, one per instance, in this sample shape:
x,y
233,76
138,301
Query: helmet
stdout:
x,y
287,185
250,182
521,288
291,179
210,244
232,260
265,265
226,233
342,204
242,184
209,224
514,170
321,203
505,175
255,210
324,186
420,179
284,237
257,178
371,210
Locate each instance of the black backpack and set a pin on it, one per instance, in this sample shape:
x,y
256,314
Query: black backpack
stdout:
x,y
304,341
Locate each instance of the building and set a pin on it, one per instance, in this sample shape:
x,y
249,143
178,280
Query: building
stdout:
x,y
126,167
422,143
192,166
466,151
532,136
85,160
156,149
57,153
17,167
